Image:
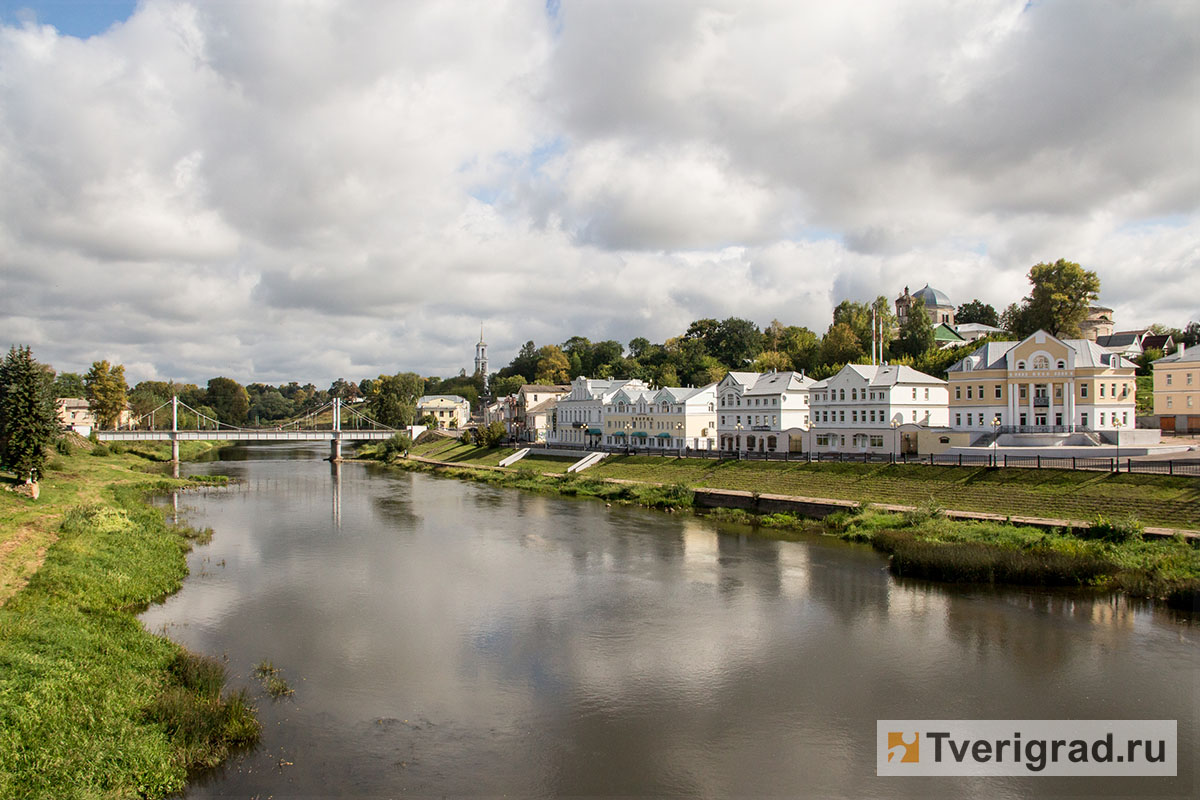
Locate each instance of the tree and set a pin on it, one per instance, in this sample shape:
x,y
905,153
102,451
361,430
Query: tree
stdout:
x,y
769,360
736,342
28,416
1191,335
803,348
916,334
503,387
525,362
491,435
552,366
1146,361
69,384
841,345
230,400
1014,321
393,400
978,313
637,346
1059,302
106,392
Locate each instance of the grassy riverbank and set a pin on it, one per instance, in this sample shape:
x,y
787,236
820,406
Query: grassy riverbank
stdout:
x,y
922,543
92,704
1062,494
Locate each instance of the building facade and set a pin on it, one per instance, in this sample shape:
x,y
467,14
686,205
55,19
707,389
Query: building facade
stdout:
x,y
481,360
875,409
1177,391
580,418
450,410
667,419
763,412
532,414
1042,385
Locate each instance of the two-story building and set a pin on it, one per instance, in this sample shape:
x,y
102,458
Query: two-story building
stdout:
x,y
1041,385
671,418
1177,391
533,411
580,416
763,412
450,410
866,408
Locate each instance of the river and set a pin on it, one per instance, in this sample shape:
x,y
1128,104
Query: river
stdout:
x,y
451,638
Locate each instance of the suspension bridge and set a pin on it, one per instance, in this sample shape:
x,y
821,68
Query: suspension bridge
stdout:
x,y
308,427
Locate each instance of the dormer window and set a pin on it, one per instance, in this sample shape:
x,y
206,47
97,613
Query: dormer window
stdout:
x,y
1062,364
1020,365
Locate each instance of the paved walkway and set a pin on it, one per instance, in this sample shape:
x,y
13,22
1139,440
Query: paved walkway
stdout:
x,y
1039,522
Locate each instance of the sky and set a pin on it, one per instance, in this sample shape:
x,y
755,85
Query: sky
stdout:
x,y
276,191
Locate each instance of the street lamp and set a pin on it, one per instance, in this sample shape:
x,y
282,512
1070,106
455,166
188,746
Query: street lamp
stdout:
x,y
995,436
1117,431
896,434
738,441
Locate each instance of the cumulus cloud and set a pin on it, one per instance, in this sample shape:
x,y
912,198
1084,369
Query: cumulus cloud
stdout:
x,y
276,192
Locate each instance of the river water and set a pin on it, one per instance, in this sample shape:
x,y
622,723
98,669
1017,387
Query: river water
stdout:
x,y
449,638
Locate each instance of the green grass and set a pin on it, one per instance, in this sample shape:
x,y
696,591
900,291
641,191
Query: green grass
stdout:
x,y
91,704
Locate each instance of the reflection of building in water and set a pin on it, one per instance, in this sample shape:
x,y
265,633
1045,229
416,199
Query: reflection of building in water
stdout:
x,y
846,585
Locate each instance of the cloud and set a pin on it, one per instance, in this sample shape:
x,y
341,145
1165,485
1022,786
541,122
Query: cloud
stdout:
x,y
278,192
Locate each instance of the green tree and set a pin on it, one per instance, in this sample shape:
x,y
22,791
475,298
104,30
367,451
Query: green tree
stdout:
x,y
491,435
1146,361
552,366
978,313
525,362
28,416
916,334
841,345
637,346
230,400
106,392
393,399
769,360
803,348
737,341
69,384
503,387
1059,302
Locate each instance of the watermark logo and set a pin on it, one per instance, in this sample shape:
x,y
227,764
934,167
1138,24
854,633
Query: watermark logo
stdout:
x,y
1026,747
906,752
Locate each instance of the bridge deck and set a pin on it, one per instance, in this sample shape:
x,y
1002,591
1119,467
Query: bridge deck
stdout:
x,y
245,436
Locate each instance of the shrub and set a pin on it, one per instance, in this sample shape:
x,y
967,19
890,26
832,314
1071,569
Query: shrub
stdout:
x,y
100,450
1121,529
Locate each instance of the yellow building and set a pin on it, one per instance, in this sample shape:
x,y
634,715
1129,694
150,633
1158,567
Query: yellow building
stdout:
x,y
1042,385
1177,391
450,410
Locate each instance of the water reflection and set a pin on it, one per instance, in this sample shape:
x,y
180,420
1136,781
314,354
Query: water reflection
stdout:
x,y
455,638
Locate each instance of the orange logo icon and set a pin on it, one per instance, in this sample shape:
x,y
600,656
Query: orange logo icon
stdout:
x,y
909,751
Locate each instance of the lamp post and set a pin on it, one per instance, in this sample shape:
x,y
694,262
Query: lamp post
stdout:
x,y
737,443
1117,431
896,435
995,436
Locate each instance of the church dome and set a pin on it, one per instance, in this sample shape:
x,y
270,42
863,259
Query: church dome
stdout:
x,y
932,297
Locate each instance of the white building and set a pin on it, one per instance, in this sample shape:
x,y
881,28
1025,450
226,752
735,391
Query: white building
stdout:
x,y
763,412
667,419
875,409
580,415
533,411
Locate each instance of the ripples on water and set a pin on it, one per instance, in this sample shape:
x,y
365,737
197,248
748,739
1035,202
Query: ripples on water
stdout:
x,y
452,638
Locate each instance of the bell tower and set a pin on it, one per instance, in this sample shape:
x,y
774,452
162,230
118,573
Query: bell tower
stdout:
x,y
481,360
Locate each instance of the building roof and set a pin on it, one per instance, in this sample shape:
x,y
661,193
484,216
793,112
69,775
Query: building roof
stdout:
x,y
1157,341
932,297
886,375
777,382
973,328
72,402
453,398
541,387
945,334
1087,354
1190,355
1122,339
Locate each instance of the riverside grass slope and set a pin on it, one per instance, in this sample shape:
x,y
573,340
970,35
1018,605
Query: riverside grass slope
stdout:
x,y
1159,500
91,704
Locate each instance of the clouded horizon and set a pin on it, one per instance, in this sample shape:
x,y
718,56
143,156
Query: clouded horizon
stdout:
x,y
278,191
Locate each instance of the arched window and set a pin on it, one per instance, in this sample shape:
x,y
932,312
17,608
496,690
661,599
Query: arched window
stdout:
x,y
854,394
1062,364
843,391
771,443
749,442
1041,362
1020,365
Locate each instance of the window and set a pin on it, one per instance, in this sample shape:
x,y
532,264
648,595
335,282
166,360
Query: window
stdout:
x,y
981,420
854,394
1083,419
958,393
1023,391
968,392
1189,379
1101,419
1169,403
1062,364
980,393
1169,376
1189,401
998,391
1083,390
1020,365
915,392
843,397
823,440
1102,390
1114,390
1041,362
876,441
958,420
854,416
842,416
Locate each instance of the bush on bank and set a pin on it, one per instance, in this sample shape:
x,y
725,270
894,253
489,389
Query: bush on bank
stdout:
x,y
92,704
